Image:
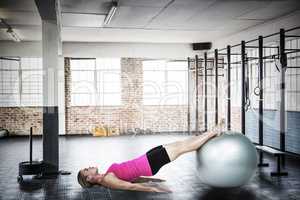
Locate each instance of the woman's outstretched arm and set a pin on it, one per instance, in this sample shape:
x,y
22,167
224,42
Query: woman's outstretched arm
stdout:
x,y
113,182
144,179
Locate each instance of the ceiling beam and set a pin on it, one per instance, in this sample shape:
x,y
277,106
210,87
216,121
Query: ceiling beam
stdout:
x,y
48,9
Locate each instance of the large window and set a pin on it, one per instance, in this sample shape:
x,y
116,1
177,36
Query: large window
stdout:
x,y
21,82
9,82
32,82
95,82
165,83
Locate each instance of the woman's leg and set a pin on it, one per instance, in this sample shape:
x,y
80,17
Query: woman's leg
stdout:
x,y
178,148
163,154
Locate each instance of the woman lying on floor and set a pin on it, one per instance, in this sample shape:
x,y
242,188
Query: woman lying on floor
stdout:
x,y
122,176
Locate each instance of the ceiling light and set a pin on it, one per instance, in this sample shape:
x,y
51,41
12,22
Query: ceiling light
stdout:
x,y
111,13
13,35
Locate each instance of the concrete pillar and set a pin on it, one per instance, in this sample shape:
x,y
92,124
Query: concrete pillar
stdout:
x,y
53,94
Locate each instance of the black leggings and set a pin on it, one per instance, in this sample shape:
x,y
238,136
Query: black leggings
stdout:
x,y
157,157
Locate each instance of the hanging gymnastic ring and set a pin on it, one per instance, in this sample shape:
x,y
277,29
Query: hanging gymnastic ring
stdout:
x,y
256,91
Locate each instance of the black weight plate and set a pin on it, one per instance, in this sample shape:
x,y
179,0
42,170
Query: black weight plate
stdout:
x,y
27,168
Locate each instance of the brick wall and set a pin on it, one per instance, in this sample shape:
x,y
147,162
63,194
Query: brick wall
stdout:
x,y
18,120
131,115
236,118
131,94
82,119
68,79
165,118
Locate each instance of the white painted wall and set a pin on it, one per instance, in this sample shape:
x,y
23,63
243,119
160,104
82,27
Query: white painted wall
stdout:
x,y
135,50
22,49
86,49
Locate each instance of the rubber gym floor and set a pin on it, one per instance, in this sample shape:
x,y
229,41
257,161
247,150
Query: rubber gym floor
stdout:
x,y
180,176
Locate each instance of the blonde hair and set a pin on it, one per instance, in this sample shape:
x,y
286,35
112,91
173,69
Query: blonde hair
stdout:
x,y
82,180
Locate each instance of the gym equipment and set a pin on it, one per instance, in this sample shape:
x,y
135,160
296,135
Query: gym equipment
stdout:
x,y
227,161
38,168
277,154
30,167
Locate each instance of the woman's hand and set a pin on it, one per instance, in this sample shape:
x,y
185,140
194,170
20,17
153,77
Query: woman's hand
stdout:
x,y
160,190
147,188
113,182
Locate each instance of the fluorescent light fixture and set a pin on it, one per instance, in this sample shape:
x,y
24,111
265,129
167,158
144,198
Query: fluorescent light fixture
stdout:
x,y
10,31
111,13
13,35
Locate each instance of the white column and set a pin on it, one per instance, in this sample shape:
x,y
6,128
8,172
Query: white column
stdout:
x,y
53,94
50,62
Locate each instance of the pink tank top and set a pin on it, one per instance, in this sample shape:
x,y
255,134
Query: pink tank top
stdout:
x,y
132,169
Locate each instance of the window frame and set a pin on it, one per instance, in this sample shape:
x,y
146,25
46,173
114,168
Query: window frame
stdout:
x,y
19,91
97,92
165,86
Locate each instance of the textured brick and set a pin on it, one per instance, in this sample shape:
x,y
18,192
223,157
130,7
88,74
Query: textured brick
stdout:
x,y
131,115
18,120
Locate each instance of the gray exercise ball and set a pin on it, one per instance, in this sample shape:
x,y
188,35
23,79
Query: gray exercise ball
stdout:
x,y
227,161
